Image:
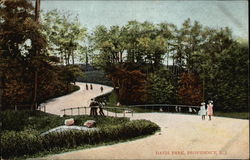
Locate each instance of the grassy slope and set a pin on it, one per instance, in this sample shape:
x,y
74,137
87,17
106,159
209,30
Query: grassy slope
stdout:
x,y
38,122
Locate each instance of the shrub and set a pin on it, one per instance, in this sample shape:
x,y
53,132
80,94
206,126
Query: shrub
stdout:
x,y
20,143
29,142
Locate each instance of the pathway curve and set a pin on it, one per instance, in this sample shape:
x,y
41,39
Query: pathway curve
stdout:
x,y
182,136
79,98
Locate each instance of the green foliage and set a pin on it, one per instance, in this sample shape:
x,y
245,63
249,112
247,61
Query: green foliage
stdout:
x,y
95,77
140,43
231,92
239,115
130,86
20,143
70,73
161,88
64,34
28,73
29,141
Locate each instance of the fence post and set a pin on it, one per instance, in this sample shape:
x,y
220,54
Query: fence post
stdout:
x,y
64,112
85,110
44,108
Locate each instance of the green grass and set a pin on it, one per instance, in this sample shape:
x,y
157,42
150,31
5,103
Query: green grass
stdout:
x,y
41,122
20,134
239,115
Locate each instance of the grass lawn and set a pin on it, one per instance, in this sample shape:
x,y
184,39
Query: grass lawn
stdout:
x,y
21,139
239,115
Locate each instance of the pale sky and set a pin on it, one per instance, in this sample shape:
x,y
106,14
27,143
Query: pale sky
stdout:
x,y
233,14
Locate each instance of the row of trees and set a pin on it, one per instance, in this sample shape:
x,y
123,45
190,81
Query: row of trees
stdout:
x,y
206,63
148,63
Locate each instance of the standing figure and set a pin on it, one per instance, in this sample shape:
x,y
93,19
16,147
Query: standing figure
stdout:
x,y
87,87
91,87
100,109
203,111
210,109
93,107
101,89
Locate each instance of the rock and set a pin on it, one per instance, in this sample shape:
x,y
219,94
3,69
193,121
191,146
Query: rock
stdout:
x,y
90,123
69,122
68,128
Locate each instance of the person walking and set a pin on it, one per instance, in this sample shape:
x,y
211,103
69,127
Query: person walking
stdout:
x,y
210,109
101,89
87,87
203,111
91,87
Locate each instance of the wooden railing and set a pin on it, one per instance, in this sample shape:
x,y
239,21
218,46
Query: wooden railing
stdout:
x,y
106,110
166,108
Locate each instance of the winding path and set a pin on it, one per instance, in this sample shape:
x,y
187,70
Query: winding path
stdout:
x,y
79,98
182,136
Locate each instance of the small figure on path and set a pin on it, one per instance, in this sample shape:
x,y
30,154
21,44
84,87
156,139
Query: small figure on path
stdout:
x,y
87,87
91,87
203,111
210,109
93,107
101,89
101,110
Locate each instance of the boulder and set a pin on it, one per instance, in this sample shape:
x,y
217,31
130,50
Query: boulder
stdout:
x,y
90,123
61,129
69,122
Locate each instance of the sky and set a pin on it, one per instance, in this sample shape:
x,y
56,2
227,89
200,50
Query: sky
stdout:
x,y
216,14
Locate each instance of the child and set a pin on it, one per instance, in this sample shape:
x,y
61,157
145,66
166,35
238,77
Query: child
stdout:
x,y
203,111
210,109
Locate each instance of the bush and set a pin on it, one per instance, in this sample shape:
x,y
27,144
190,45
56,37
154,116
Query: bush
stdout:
x,y
20,143
29,142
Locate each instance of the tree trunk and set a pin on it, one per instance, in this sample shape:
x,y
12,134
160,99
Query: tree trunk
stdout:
x,y
121,60
33,107
73,58
37,11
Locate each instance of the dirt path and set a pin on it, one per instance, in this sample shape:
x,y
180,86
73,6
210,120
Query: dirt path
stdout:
x,y
79,98
181,137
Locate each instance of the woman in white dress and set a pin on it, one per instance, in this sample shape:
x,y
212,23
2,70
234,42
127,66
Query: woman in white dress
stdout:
x,y
203,111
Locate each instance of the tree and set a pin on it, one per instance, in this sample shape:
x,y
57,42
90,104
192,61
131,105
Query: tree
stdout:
x,y
161,88
23,56
64,35
21,41
130,86
190,89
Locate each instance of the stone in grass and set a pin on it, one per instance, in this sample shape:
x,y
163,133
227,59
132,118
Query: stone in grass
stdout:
x,y
69,122
90,123
61,129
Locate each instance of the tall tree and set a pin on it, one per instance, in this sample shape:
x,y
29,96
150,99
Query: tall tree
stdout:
x,y
64,35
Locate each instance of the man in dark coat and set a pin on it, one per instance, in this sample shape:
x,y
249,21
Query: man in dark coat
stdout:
x,y
93,107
